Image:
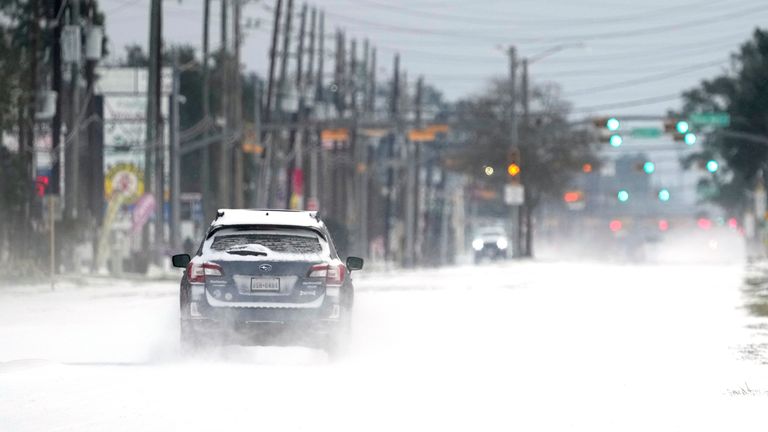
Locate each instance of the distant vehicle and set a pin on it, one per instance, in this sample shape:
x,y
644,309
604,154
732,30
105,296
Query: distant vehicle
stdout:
x,y
262,277
491,243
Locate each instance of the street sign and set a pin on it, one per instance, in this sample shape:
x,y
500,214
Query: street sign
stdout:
x,y
647,132
514,194
711,119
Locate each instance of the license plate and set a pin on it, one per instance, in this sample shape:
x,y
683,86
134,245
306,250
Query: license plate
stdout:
x,y
265,284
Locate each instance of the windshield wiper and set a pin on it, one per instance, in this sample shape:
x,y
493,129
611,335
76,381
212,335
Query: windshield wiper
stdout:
x,y
246,252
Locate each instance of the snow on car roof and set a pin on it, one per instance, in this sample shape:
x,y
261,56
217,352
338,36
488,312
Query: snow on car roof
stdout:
x,y
226,217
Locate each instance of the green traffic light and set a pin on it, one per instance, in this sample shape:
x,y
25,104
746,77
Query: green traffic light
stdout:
x,y
664,195
690,139
712,166
683,127
649,167
623,195
613,124
616,140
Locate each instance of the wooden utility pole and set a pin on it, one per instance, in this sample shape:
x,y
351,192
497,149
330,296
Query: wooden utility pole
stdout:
x,y
278,146
513,145
153,112
206,80
237,107
223,172
394,113
525,232
265,194
372,83
314,161
72,146
205,159
285,54
296,171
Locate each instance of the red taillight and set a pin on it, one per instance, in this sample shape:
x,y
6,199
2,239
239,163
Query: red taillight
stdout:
x,y
333,273
196,272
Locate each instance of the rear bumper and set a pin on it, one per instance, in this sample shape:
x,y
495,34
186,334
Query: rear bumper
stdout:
x,y
205,317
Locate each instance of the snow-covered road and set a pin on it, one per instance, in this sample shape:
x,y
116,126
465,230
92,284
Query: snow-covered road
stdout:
x,y
522,346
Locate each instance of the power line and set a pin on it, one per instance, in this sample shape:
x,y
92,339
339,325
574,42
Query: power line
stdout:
x,y
566,22
587,36
643,80
628,103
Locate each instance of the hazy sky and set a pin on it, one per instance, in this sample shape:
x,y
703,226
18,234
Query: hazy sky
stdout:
x,y
630,50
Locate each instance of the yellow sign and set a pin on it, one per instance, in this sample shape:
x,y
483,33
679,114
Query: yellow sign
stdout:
x,y
125,179
374,133
252,148
421,135
438,128
340,134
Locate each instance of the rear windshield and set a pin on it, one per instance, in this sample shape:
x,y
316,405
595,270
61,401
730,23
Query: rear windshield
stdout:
x,y
274,242
268,242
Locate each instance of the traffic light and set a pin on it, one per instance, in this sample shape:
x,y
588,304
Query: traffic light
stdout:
x,y
681,130
664,195
608,128
649,167
690,138
663,224
712,166
615,140
513,167
615,225
41,185
571,197
623,195
586,168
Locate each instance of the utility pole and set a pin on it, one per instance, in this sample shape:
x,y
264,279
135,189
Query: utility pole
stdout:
x,y
285,54
308,134
153,110
394,115
206,80
525,232
175,189
265,197
237,106
513,144
351,211
205,160
296,173
56,85
314,161
223,172
257,115
72,149
159,135
372,83
281,94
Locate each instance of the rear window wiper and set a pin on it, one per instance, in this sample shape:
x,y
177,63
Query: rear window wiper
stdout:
x,y
256,250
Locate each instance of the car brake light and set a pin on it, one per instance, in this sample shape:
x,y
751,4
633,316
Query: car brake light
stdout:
x,y
333,273
196,273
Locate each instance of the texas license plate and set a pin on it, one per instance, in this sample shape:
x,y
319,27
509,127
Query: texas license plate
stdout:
x,y
265,284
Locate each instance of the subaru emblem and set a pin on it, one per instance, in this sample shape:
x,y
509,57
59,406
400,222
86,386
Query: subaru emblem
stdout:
x,y
265,267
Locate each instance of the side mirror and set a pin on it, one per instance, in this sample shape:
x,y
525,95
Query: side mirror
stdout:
x,y
354,263
181,260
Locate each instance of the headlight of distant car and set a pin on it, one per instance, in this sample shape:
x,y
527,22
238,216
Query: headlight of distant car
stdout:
x,y
477,244
501,243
